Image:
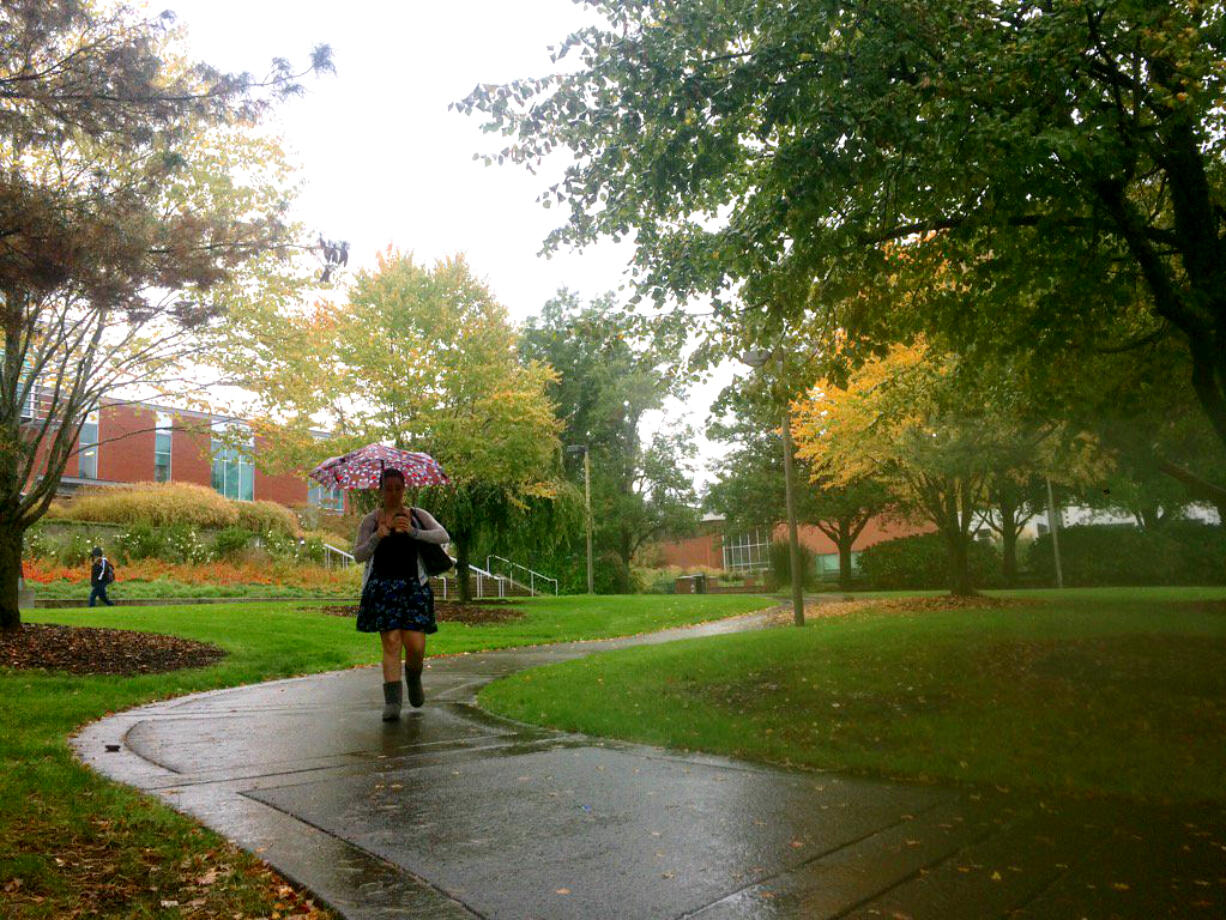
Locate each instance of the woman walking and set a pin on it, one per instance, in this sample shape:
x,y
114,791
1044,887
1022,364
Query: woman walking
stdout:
x,y
397,602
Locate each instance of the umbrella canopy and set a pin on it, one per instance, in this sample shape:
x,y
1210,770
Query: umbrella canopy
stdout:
x,y
361,468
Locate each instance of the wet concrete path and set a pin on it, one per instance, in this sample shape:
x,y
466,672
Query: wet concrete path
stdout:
x,y
451,813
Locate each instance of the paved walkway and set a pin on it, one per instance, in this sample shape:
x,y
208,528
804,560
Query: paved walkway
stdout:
x,y
451,813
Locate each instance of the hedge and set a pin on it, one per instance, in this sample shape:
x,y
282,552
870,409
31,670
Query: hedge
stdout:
x,y
922,561
156,504
1179,553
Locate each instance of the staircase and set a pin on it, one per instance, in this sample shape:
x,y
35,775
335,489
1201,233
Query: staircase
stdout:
x,y
500,578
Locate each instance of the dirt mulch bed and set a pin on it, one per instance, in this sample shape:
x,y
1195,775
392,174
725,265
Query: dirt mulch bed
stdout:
x,y
447,612
941,602
86,650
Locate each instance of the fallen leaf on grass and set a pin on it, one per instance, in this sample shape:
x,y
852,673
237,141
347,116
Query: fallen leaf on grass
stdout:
x,y
562,891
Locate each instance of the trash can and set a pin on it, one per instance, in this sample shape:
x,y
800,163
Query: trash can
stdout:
x,y
700,584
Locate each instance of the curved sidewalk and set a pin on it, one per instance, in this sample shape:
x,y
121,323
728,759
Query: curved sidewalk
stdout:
x,y
451,813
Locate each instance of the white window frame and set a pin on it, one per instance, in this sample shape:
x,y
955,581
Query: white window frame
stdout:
x,y
747,552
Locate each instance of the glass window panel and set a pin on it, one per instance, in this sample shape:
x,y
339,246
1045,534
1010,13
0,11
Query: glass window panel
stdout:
x,y
88,448
162,448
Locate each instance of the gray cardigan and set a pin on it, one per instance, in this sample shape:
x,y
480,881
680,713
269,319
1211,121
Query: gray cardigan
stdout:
x,y
368,538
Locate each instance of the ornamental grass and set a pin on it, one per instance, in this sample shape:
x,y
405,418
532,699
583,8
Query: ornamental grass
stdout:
x,y
155,503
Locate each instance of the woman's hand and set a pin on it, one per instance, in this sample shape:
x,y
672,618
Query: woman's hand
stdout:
x,y
401,522
383,528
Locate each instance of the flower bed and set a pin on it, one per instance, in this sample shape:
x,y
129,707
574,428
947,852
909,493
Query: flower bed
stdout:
x,y
156,578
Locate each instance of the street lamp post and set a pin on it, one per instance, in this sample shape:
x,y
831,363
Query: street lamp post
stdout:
x,y
757,358
587,508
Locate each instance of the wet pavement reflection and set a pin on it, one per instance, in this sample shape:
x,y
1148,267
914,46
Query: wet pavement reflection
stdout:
x,y
451,812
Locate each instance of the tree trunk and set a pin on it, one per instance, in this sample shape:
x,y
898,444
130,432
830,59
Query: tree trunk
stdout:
x,y
1009,554
461,567
10,574
1008,533
844,546
959,567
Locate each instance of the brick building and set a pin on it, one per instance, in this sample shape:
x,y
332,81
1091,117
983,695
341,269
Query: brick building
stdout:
x,y
749,551
136,442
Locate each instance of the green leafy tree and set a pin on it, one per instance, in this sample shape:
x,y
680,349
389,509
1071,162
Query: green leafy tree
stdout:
x,y
611,372
1058,157
136,197
424,359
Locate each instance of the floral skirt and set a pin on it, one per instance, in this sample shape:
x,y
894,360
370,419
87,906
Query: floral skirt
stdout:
x,y
396,603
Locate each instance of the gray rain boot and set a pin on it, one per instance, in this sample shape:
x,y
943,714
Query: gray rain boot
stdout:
x,y
393,694
417,696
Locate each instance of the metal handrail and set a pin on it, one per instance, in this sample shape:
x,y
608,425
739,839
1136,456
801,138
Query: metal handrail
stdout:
x,y
532,576
346,558
481,575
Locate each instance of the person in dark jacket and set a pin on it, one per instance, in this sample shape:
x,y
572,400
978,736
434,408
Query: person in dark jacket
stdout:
x,y
101,575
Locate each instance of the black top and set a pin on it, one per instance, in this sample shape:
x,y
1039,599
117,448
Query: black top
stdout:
x,y
396,557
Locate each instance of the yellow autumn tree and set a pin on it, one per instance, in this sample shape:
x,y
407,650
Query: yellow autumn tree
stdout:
x,y
423,358
911,420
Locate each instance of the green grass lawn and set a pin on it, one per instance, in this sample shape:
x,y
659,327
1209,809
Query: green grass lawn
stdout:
x,y
72,844
1112,691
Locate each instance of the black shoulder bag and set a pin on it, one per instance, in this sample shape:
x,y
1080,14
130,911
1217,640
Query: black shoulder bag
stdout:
x,y
434,558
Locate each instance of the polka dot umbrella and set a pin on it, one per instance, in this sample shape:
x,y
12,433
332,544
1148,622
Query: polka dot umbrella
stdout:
x,y
361,468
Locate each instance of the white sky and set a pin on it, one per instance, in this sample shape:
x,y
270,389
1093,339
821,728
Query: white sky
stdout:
x,y
384,161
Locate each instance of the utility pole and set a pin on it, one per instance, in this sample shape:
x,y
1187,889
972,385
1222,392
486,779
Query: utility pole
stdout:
x,y
758,359
587,505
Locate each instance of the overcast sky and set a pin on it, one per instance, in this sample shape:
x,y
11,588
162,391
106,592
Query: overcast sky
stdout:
x,y
384,161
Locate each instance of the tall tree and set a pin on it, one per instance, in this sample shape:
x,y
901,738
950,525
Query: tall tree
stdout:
x,y
135,198
612,371
1062,155
425,359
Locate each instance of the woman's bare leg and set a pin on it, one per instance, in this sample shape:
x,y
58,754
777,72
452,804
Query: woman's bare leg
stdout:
x,y
393,641
414,659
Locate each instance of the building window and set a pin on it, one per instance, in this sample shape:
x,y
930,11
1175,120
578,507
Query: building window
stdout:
x,y
747,552
326,498
233,469
161,448
87,448
24,382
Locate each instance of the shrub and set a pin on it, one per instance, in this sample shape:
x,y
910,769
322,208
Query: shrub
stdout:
x,y
1181,553
780,572
140,541
266,517
331,538
154,503
74,552
280,545
922,561
39,545
661,580
184,545
231,543
339,525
